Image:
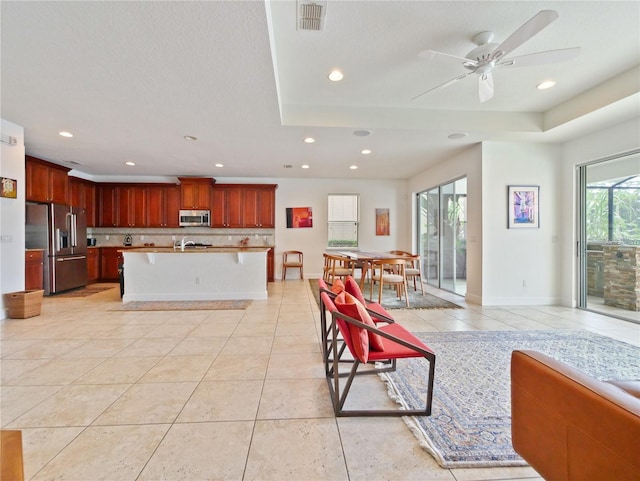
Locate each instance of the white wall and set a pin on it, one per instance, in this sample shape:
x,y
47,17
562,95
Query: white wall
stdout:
x,y
12,214
615,140
467,164
521,266
391,194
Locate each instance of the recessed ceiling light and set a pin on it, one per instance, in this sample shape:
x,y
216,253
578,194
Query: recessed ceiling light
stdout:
x,y
65,134
219,165
305,166
130,163
361,133
309,140
365,151
547,84
458,135
353,167
336,75
190,137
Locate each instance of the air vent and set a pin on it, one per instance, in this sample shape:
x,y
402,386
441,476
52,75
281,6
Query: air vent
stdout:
x,y
288,166
311,16
73,162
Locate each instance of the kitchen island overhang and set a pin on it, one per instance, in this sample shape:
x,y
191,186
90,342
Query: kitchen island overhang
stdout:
x,y
207,274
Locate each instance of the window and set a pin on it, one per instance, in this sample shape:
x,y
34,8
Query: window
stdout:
x,y
343,218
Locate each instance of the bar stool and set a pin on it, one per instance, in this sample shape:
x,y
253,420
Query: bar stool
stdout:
x,y
291,260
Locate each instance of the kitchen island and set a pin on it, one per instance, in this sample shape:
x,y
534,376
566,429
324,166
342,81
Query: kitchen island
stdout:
x,y
195,274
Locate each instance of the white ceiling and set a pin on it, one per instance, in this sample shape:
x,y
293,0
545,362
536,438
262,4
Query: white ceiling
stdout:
x,y
131,79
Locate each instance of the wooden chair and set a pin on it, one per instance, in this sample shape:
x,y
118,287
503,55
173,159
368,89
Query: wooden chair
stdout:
x,y
389,272
398,344
337,267
292,260
413,269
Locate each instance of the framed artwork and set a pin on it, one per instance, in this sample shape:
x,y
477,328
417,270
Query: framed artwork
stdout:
x,y
299,217
524,203
382,221
8,188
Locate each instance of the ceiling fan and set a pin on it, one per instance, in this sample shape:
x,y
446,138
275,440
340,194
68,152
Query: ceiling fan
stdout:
x,y
488,56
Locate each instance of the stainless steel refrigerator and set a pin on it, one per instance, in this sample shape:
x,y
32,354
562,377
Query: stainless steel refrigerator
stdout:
x,y
62,232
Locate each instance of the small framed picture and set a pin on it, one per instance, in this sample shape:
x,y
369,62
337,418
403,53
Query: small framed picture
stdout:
x,y
8,188
524,203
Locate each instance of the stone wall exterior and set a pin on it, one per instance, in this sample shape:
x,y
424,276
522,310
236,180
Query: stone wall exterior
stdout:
x,y
622,276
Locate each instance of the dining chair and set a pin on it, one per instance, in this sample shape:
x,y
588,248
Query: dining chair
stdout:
x,y
413,269
292,260
389,272
337,267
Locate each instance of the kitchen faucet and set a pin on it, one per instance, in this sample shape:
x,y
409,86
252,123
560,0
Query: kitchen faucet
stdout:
x,y
184,242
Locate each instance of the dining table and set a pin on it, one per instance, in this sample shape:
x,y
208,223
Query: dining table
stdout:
x,y
365,259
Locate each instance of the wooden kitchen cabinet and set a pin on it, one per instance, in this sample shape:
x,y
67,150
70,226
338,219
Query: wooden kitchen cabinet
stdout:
x,y
259,206
107,205
227,206
46,182
195,193
163,206
93,264
33,269
83,193
131,206
271,265
110,259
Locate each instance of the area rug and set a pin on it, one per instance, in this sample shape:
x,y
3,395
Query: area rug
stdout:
x,y
84,291
183,305
391,301
470,425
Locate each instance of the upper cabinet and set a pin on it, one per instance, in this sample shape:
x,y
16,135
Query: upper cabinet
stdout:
x,y
132,206
83,193
243,205
46,182
163,205
259,206
195,192
227,205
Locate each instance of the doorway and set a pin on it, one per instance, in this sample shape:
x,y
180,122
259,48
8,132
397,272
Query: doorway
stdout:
x,y
442,235
609,236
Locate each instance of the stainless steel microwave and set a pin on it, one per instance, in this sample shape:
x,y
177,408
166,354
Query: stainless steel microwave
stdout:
x,y
195,218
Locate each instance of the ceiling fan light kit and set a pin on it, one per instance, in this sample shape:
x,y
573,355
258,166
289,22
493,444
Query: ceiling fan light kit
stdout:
x,y
488,56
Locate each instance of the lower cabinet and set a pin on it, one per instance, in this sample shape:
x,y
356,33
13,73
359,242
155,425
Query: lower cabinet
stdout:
x,y
110,259
33,269
93,264
271,265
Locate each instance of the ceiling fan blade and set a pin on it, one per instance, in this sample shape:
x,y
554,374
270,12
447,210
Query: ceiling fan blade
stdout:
x,y
485,87
433,55
539,21
446,84
539,58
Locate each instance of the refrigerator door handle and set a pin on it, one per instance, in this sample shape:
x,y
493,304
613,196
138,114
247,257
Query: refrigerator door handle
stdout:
x,y
73,229
58,240
75,258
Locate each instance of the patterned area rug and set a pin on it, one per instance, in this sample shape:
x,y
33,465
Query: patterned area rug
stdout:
x,y
391,301
183,305
84,291
470,425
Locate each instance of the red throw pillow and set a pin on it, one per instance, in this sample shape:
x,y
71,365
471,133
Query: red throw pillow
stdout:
x,y
352,287
337,287
354,308
345,303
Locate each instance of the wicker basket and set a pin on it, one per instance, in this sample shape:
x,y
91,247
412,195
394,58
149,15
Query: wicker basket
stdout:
x,y
24,304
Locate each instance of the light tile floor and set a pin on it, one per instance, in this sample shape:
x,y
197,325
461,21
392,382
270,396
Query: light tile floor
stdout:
x,y
239,395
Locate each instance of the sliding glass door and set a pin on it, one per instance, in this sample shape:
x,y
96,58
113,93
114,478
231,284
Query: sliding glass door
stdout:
x,y
609,236
442,235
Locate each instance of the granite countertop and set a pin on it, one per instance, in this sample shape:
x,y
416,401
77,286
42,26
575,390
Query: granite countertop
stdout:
x,y
33,250
197,250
